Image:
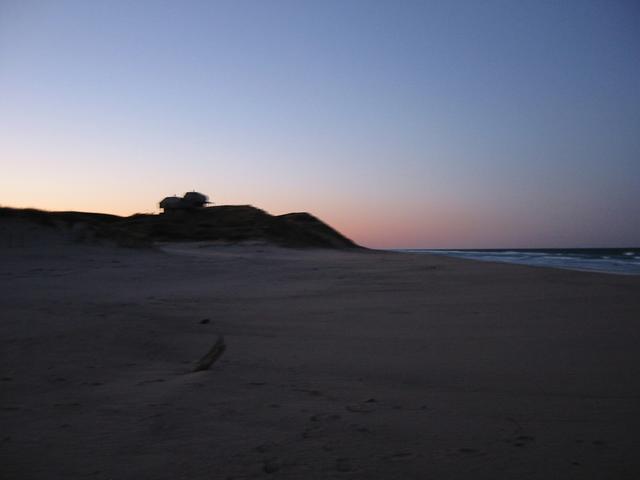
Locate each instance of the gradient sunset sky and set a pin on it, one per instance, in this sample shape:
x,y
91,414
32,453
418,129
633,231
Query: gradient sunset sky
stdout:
x,y
435,124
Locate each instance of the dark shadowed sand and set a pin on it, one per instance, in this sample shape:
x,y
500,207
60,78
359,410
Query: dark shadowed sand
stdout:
x,y
338,365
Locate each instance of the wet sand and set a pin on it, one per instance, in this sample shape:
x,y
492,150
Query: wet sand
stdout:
x,y
338,365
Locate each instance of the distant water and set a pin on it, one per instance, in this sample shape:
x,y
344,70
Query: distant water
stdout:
x,y
609,260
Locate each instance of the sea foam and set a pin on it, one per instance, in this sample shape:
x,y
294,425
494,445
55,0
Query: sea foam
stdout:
x,y
607,260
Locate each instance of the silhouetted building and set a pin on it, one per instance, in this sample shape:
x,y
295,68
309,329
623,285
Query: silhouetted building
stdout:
x,y
190,201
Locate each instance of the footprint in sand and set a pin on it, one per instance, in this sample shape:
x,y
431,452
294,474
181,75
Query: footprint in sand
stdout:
x,y
360,408
399,456
523,440
312,432
467,450
271,465
360,428
155,380
343,465
323,417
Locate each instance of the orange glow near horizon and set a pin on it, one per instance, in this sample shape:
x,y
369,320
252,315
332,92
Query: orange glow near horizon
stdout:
x,y
436,222
384,227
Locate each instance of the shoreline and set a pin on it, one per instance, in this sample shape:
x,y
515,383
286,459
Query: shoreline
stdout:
x,y
617,261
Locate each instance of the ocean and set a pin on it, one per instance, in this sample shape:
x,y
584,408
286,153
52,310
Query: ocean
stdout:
x,y
625,261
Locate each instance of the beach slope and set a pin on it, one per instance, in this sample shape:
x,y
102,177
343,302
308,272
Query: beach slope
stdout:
x,y
338,364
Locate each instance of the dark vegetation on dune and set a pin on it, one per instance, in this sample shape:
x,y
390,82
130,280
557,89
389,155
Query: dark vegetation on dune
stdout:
x,y
232,223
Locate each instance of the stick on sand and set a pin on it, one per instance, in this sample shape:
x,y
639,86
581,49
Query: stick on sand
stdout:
x,y
212,355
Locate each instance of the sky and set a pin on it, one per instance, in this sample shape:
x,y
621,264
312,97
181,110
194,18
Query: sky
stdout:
x,y
403,124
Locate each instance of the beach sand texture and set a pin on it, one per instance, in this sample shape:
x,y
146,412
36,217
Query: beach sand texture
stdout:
x,y
337,365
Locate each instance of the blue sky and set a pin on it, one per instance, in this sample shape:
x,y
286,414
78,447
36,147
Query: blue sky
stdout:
x,y
403,124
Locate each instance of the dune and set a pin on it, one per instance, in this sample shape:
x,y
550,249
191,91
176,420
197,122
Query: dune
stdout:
x,y
227,223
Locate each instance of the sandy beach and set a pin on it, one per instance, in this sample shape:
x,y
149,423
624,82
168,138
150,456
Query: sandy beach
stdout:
x,y
338,365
